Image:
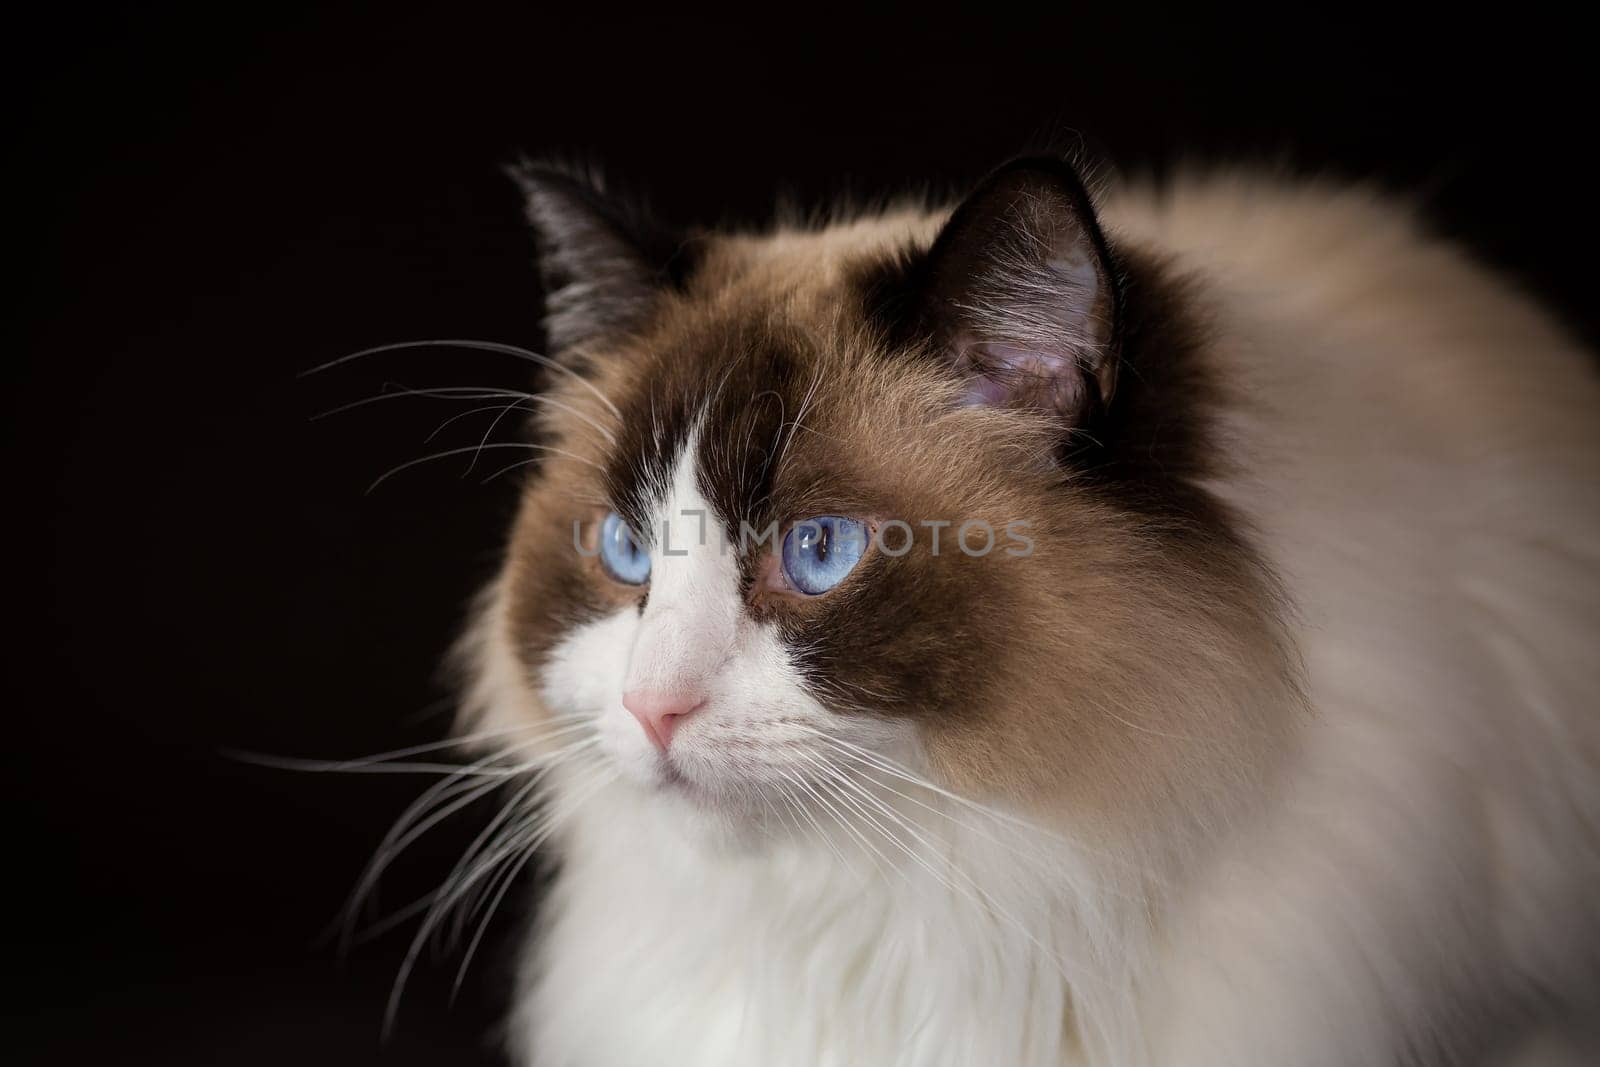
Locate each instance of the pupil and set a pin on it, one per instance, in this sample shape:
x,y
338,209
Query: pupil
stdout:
x,y
822,546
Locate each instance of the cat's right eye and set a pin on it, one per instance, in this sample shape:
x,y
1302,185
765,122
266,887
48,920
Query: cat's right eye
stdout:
x,y
623,557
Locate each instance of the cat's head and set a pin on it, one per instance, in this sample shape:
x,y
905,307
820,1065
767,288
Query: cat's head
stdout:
x,y
924,487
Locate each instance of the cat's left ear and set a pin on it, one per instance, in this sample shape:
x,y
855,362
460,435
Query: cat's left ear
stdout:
x,y
602,264
1020,293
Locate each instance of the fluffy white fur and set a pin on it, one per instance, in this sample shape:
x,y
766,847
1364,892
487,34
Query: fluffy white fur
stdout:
x,y
1421,467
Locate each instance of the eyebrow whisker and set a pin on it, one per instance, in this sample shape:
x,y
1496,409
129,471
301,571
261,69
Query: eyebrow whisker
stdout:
x,y
475,449
482,346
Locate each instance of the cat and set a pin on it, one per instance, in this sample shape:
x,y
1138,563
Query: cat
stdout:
x,y
1146,627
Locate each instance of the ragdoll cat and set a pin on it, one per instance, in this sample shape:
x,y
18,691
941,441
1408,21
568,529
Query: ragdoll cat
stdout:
x,y
1154,631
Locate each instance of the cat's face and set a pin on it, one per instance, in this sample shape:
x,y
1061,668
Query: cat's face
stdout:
x,y
822,497
781,583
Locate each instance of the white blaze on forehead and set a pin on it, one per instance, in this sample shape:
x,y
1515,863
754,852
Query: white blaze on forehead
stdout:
x,y
691,618
696,638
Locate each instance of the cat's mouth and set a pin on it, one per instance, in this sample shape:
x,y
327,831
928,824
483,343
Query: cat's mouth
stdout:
x,y
673,780
713,796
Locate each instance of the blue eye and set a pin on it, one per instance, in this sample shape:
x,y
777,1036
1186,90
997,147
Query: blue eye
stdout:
x,y
625,559
819,552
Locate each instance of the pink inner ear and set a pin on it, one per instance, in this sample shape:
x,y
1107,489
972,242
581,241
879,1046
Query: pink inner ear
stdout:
x,y
1001,375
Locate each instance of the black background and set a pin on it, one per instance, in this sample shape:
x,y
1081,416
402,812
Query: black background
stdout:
x,y
208,207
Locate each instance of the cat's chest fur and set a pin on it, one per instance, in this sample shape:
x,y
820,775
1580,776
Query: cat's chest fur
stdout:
x,y
653,949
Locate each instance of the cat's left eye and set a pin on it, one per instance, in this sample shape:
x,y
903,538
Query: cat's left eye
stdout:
x,y
623,557
819,552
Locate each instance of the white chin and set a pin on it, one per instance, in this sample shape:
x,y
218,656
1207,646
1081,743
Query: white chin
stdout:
x,y
729,813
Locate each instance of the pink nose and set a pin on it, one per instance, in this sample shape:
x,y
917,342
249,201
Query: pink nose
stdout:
x,y
659,713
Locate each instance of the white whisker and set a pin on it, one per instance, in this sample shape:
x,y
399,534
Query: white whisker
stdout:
x,y
483,346
509,878
475,449
802,812
482,860
448,795
868,849
970,889
459,741
442,392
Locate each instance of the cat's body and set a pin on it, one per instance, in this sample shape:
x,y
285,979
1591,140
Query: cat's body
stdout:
x,y
1373,839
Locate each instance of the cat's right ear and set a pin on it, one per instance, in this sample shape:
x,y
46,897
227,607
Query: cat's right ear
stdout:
x,y
602,265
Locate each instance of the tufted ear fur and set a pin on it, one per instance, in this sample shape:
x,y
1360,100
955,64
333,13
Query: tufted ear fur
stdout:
x,y
1020,292
602,265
